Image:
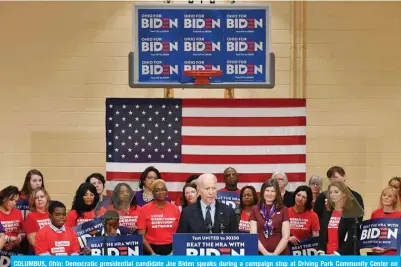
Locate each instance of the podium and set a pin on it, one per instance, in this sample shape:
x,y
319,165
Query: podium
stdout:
x,y
215,244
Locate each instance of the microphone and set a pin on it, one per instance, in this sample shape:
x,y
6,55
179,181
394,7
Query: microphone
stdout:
x,y
221,225
209,227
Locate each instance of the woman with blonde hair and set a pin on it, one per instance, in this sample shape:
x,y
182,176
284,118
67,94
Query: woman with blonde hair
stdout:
x,y
158,221
336,231
38,217
389,207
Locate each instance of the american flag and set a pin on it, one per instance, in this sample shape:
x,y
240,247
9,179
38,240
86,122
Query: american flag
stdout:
x,y
181,137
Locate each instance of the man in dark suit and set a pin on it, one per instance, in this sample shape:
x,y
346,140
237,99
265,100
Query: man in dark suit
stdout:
x,y
208,215
335,173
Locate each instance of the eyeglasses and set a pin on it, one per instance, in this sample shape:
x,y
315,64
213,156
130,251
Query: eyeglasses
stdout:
x,y
316,185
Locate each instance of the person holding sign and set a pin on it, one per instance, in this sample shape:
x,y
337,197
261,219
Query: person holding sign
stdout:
x,y
304,223
124,202
208,215
11,218
84,205
158,221
111,224
336,230
269,219
248,199
55,238
39,216
389,207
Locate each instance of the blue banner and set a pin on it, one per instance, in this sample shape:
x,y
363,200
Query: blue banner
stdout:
x,y
229,198
171,41
131,245
177,261
380,233
215,244
87,229
307,247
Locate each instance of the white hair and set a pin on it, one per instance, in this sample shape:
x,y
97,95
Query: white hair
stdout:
x,y
200,181
282,174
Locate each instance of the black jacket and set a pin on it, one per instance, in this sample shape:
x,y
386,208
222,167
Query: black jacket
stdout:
x,y
320,207
346,230
192,221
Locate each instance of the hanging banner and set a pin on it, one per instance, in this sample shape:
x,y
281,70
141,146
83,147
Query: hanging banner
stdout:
x,y
171,40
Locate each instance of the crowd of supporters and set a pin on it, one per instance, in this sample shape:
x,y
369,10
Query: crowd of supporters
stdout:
x,y
32,222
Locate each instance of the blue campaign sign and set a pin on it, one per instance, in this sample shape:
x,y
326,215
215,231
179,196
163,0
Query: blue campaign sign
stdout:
x,y
307,247
170,40
380,233
215,244
229,198
87,230
130,245
5,257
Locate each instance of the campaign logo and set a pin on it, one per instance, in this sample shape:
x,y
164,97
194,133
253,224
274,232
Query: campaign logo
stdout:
x,y
200,45
158,45
380,232
241,67
241,22
215,251
200,65
192,22
243,45
156,21
117,251
158,68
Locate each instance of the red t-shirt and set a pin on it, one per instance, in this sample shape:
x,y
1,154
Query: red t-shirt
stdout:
x,y
12,223
56,243
244,223
380,214
129,219
73,219
303,224
160,224
226,190
35,221
332,243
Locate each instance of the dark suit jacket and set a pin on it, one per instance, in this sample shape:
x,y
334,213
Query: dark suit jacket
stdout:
x,y
319,207
192,221
346,232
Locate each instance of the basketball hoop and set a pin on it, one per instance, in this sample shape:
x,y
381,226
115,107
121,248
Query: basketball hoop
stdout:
x,y
202,76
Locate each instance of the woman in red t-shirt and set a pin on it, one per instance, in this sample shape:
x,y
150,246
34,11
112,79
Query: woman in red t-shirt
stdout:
x,y
304,223
336,232
39,216
248,199
84,208
389,207
11,218
189,195
124,202
158,221
269,219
